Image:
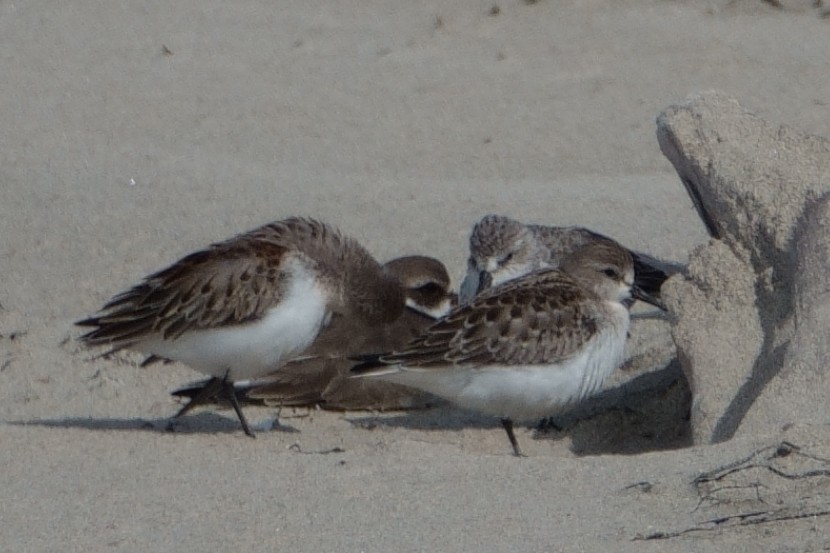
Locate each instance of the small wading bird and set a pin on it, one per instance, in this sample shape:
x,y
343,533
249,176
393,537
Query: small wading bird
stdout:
x,y
241,308
529,348
502,249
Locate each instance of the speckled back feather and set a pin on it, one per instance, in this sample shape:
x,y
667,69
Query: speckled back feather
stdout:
x,y
544,317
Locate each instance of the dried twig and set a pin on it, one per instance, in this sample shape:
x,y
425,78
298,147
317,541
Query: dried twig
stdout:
x,y
714,488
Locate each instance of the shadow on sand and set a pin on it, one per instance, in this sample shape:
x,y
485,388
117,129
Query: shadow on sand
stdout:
x,y
200,423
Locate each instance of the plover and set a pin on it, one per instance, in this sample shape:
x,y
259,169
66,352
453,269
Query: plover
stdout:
x,y
321,375
502,249
240,308
529,348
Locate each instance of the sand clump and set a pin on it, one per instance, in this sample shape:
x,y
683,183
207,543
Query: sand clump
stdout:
x,y
751,312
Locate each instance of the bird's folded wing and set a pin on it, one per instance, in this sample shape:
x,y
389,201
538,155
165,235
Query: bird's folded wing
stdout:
x,y
542,318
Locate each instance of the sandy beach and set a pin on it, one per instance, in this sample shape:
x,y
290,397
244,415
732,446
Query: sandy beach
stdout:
x,y
132,133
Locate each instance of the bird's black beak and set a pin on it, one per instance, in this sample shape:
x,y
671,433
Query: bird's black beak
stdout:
x,y
638,293
485,279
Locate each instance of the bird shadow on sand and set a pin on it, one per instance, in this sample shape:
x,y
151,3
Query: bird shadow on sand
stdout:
x,y
655,419
200,423
442,417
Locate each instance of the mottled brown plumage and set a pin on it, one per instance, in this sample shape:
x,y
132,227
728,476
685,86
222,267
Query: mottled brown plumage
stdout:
x,y
544,319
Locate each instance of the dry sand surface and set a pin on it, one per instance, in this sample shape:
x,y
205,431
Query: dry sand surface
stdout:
x,y
134,132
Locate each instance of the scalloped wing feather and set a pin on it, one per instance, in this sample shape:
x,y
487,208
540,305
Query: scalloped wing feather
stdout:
x,y
542,318
230,283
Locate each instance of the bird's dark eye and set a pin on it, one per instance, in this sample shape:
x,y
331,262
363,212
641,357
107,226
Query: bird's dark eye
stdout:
x,y
611,273
430,288
507,258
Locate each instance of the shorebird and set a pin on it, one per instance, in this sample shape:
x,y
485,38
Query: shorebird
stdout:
x,y
241,308
321,375
529,348
502,249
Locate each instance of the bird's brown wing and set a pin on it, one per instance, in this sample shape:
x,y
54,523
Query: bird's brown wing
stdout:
x,y
229,283
543,317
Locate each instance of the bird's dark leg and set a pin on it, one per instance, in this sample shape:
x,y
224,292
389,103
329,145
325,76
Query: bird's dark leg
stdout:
x,y
210,389
508,427
548,424
218,388
229,392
